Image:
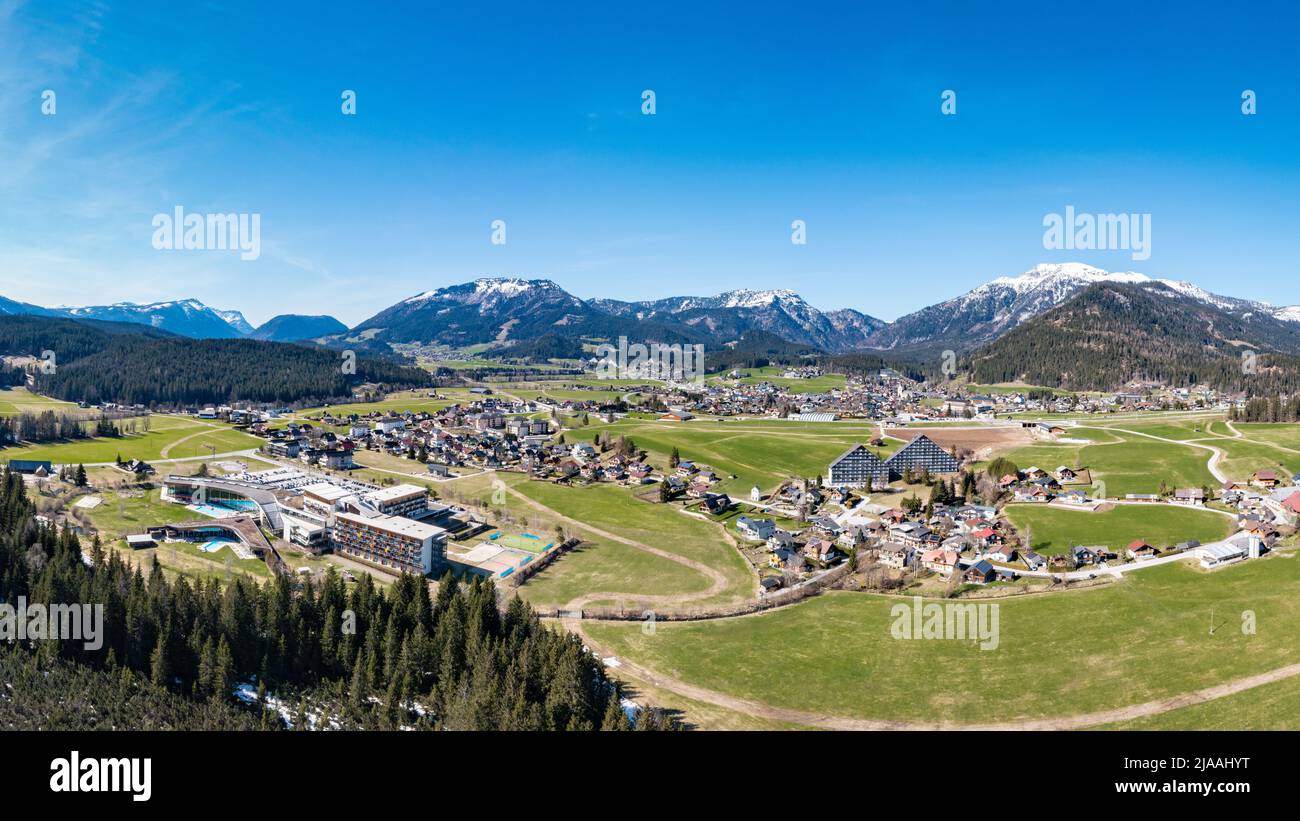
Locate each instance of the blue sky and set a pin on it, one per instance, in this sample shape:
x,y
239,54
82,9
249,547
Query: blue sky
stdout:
x,y
531,113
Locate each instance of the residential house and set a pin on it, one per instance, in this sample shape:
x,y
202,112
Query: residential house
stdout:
x,y
1138,550
1264,478
942,562
756,529
981,572
897,556
1003,553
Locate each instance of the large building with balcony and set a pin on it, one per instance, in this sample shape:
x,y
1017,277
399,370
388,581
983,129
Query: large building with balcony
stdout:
x,y
393,542
411,501
858,467
922,454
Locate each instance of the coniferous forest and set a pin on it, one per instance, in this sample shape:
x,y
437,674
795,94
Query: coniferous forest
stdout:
x,y
118,362
1112,334
325,656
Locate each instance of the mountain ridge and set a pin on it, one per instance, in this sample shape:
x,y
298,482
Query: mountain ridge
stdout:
x,y
1116,333
509,310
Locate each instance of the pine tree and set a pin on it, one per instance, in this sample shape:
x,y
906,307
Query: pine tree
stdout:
x,y
615,719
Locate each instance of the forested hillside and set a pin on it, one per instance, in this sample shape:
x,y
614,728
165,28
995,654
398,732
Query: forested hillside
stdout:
x,y
1112,334
335,657
116,362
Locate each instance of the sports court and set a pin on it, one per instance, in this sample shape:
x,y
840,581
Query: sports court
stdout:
x,y
526,542
491,559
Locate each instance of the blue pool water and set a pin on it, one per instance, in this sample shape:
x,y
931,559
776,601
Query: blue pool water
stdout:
x,y
214,511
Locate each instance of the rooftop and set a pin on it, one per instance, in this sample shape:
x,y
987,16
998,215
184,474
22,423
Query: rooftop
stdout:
x,y
396,524
395,493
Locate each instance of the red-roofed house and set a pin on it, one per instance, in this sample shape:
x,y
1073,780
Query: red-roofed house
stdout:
x,y
1138,550
1264,478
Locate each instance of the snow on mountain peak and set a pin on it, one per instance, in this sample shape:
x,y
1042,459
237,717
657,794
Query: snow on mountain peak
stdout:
x,y
509,286
746,298
1069,273
488,289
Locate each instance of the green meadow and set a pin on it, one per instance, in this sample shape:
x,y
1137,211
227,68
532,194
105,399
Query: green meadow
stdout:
x,y
772,374
168,437
612,566
1127,463
758,452
1146,637
1274,706
19,400
1055,529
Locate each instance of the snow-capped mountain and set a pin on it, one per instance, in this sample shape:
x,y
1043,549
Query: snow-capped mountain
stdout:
x,y
12,307
186,317
1004,303
505,309
1115,332
514,309
235,319
729,315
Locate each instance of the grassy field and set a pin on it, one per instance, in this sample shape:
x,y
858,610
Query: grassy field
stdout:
x,y
1144,638
168,437
602,564
1127,463
19,400
186,559
1285,435
761,452
121,515
1182,431
418,400
1055,530
599,565
1242,458
772,374
611,566
1273,706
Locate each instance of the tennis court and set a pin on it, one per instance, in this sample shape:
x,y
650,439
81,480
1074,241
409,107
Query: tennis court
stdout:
x,y
522,541
492,559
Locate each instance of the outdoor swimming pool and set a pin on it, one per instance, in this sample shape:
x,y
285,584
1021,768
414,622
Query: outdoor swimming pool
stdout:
x,y
214,511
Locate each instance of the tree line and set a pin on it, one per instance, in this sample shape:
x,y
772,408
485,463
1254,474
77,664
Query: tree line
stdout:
x,y
1268,409
132,364
334,655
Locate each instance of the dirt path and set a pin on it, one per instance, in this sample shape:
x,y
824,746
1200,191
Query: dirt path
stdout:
x,y
717,581
165,452
1215,453
830,722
